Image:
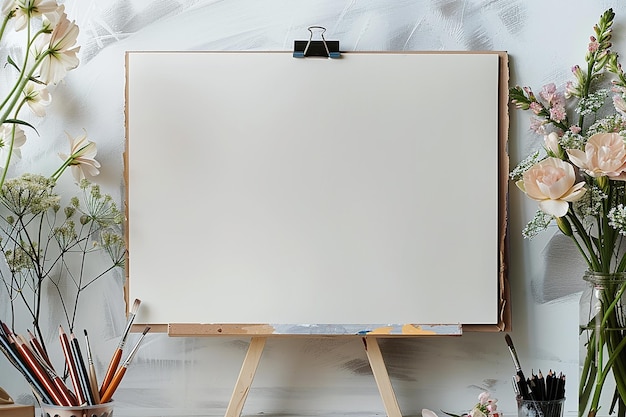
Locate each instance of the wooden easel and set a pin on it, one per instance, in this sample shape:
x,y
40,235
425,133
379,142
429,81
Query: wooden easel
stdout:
x,y
290,234
260,332
253,356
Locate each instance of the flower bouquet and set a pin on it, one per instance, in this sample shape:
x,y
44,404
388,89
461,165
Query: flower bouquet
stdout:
x,y
579,181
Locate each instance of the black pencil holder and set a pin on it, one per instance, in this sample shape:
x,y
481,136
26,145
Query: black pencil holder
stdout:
x,y
532,408
100,410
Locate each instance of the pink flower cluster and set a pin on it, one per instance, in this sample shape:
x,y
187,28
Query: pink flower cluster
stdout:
x,y
551,108
556,102
486,407
594,45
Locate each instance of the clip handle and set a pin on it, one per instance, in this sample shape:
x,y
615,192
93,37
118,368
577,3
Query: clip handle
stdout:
x,y
317,47
322,30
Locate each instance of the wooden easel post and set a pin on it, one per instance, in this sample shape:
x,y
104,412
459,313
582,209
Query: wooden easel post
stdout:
x,y
246,375
253,356
382,377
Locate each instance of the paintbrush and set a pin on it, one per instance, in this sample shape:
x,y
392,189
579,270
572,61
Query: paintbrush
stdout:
x,y
93,381
525,392
117,356
523,387
117,378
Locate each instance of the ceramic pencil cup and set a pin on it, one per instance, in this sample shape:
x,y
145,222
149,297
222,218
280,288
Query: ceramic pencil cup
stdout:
x,y
100,410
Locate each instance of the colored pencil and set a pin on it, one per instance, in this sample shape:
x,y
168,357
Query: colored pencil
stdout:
x,y
117,356
81,369
37,347
10,351
119,374
71,366
67,397
38,370
30,359
542,386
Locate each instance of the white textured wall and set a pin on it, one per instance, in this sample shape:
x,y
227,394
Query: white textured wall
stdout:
x,y
195,376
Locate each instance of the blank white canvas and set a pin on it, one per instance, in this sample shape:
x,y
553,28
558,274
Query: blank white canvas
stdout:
x,y
262,188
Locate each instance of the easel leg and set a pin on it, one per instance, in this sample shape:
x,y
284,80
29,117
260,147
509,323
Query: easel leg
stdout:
x,y
382,377
246,375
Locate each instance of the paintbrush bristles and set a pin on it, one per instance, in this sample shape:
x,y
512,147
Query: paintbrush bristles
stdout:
x,y
129,323
88,345
135,306
516,362
136,347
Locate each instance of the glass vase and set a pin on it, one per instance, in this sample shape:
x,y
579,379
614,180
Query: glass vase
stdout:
x,y
602,338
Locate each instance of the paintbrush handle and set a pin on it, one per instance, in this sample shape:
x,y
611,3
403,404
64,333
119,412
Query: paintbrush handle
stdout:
x,y
108,394
94,383
108,377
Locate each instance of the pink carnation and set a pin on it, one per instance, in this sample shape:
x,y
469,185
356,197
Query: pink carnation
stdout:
x,y
604,155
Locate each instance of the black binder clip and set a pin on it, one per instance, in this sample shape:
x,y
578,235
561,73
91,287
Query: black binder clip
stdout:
x,y
323,48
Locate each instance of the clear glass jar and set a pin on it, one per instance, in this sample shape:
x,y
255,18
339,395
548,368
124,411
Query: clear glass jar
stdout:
x,y
602,342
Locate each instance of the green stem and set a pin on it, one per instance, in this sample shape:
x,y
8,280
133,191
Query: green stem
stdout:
x,y
7,162
69,161
604,373
588,374
585,92
605,334
55,176
8,17
592,260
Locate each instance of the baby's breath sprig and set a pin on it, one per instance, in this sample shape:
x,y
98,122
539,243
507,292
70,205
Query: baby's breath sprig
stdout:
x,y
47,245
